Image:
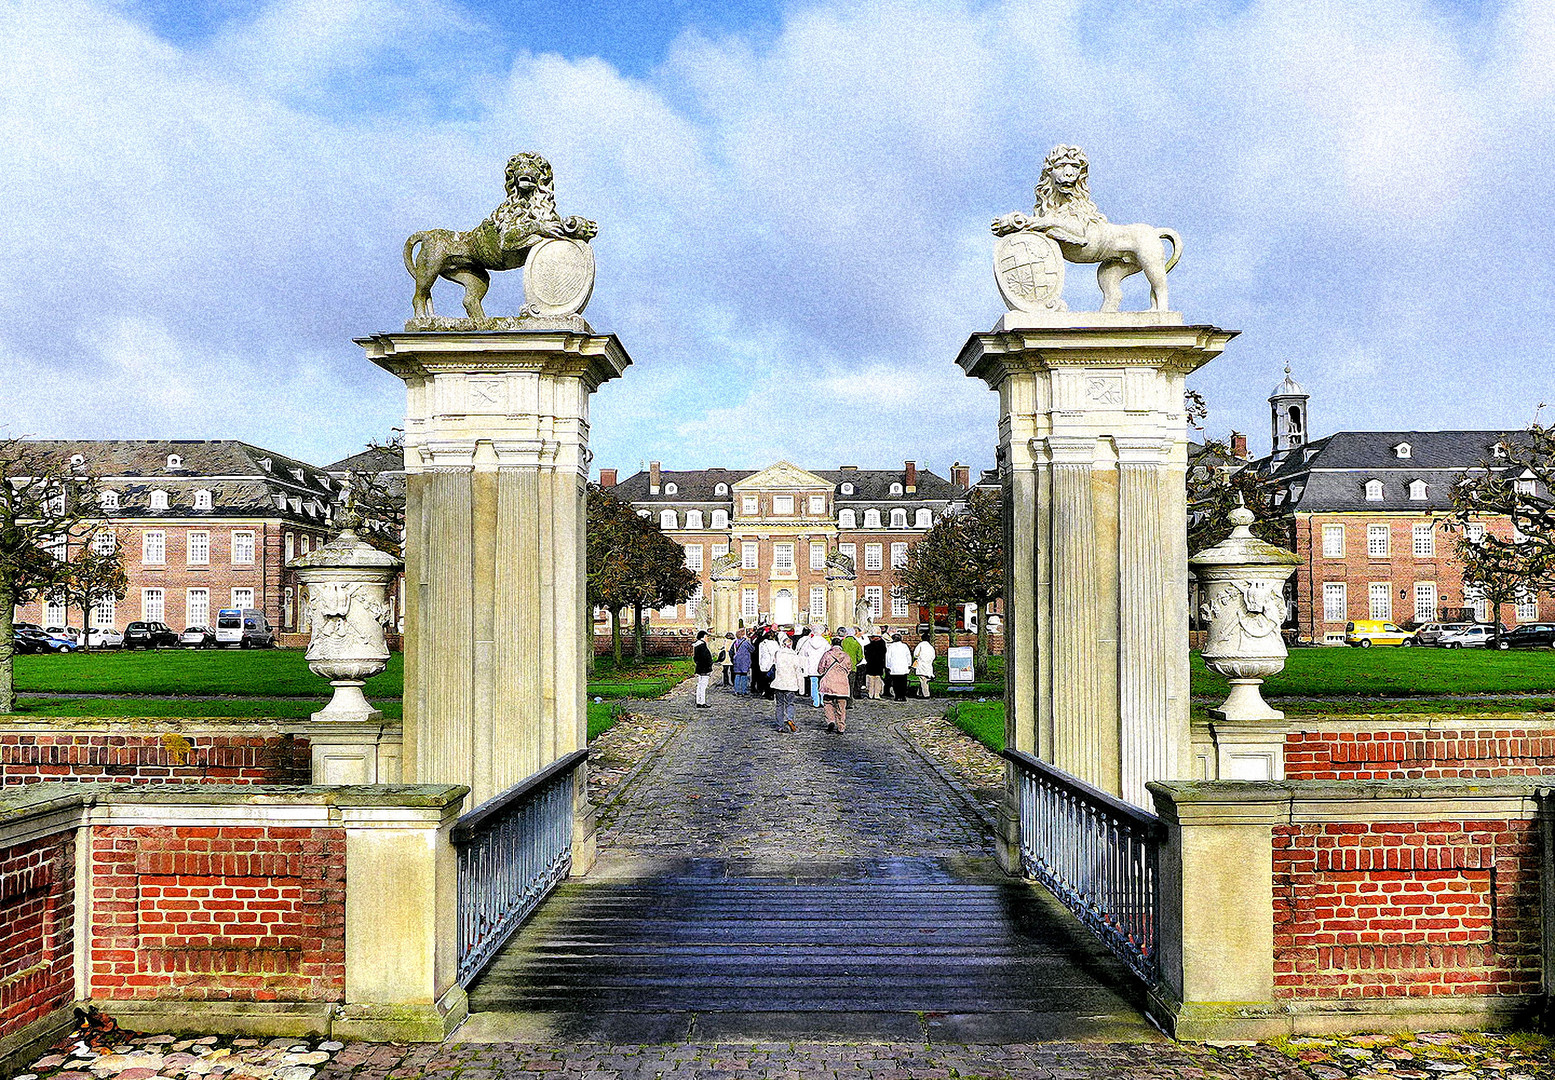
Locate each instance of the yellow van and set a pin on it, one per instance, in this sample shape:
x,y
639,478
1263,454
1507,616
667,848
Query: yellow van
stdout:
x,y
1368,632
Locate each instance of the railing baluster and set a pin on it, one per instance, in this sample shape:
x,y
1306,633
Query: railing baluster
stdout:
x,y
1097,854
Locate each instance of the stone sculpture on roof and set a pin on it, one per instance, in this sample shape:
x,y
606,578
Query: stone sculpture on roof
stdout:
x,y
1066,225
525,231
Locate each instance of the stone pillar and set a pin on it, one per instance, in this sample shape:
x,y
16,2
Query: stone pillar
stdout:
x,y
496,457
1093,456
841,597
726,602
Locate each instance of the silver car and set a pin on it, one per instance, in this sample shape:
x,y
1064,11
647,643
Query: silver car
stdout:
x,y
1432,632
104,638
1477,636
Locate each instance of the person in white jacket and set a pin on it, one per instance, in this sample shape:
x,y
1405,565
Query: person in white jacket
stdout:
x,y
898,662
787,677
811,649
923,664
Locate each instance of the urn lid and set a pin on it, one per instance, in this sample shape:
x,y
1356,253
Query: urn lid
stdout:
x,y
347,550
1242,548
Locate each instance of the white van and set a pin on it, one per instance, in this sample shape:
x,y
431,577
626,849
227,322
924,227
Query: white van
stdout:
x,y
246,628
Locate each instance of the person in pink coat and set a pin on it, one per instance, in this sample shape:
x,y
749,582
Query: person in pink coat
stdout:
x,y
835,669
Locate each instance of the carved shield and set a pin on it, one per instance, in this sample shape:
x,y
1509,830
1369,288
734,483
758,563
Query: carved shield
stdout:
x,y
558,277
1030,270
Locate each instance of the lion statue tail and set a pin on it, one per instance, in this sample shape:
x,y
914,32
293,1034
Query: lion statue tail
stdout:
x,y
410,246
1171,234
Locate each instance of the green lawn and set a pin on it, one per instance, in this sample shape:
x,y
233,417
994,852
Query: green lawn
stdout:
x,y
185,708
251,673
1398,673
654,677
983,720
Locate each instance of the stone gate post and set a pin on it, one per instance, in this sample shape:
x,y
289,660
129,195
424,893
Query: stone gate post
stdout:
x,y
1093,454
496,457
726,600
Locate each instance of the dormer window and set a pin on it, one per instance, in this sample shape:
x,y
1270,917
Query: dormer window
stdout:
x,y
693,519
667,520
925,519
847,489
847,520
1417,491
720,519
720,489
297,475
174,461
1402,450
1374,491
109,500
1524,487
896,489
646,515
1498,452
898,519
671,489
202,500
265,463
871,519
159,500
77,460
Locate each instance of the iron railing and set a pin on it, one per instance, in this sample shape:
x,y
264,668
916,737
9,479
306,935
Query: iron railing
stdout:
x,y
513,850
1097,854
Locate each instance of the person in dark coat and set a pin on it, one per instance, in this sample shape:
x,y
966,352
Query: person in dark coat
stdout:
x,y
702,657
874,666
744,653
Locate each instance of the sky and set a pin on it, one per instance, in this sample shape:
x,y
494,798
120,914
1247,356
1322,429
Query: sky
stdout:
x,y
205,202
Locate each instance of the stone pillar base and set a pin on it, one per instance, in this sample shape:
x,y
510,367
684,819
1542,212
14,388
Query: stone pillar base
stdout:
x,y
402,1023
352,752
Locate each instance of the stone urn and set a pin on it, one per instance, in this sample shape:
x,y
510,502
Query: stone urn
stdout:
x,y
346,610
1242,582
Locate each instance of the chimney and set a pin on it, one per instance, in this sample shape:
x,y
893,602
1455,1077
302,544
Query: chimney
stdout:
x,y
847,468
910,468
653,478
961,475
607,478
1239,445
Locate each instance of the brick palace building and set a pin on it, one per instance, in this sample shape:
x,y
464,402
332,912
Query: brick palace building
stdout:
x,y
203,524
782,521
1366,512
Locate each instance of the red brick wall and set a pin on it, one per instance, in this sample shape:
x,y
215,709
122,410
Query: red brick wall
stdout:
x,y
37,929
149,757
1478,753
239,913
1414,910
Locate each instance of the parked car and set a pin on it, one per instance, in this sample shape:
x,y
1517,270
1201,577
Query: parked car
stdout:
x,y
1476,636
1431,633
1529,636
149,635
1365,633
244,628
72,632
33,640
197,637
99,637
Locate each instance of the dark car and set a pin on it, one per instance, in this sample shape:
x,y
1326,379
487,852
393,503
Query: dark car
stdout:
x,y
149,635
29,639
1530,636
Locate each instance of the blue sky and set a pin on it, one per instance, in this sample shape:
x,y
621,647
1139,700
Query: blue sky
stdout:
x,y
205,203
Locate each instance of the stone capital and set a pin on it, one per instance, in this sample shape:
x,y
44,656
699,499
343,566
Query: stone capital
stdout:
x,y
1142,449
996,357
1066,449
592,358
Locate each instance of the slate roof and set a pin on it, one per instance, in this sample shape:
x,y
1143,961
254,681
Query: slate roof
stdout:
x,y
695,485
233,472
870,485
1330,474
375,459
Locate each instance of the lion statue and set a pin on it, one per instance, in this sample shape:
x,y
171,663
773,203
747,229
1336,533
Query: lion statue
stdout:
x,y
1064,212
501,242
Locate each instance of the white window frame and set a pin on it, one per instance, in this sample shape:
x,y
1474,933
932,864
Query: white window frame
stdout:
x,y
109,500
875,596
898,555
1419,491
105,611
54,611
720,550
851,551
1333,541
873,559
783,557
817,556
694,519
1423,536
896,489
202,499
898,519
669,611
1524,487
1379,600
243,544
750,555
1374,491
668,520
694,557
191,607
291,546
243,597
104,542
1336,606
153,604
817,603
899,608
720,519
158,500
153,548
1378,541
672,488
1425,601
197,548
847,519
847,489
818,505
782,505
748,603
1474,531
924,518
749,504
1526,608
871,519
720,489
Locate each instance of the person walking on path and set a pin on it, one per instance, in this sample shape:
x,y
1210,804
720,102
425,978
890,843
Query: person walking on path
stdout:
x,y
874,660
743,654
787,677
855,650
898,662
860,666
923,664
836,685
810,652
726,659
766,653
702,656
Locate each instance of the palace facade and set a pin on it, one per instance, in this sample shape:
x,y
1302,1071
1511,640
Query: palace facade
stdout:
x,y
781,522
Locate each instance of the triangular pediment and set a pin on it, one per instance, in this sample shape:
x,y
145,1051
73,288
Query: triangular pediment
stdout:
x,y
785,474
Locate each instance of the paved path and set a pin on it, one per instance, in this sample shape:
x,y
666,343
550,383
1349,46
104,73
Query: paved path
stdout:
x,y
754,883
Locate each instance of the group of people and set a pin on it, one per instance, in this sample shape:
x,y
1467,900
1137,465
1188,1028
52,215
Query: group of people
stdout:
x,y
771,663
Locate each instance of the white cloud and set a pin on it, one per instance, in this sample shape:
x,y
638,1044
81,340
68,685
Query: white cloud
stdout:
x,y
793,233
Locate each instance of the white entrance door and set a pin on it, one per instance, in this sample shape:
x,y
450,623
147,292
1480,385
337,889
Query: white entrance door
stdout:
x,y
783,608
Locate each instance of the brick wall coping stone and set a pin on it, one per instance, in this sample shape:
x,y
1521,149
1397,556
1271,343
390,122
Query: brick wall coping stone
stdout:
x,y
1385,725
1249,802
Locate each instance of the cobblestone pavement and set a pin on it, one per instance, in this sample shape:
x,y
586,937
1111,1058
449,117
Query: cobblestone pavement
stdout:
x,y
800,798
615,756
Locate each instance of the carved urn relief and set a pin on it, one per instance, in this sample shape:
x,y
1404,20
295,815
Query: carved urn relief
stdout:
x,y
1242,582
346,611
